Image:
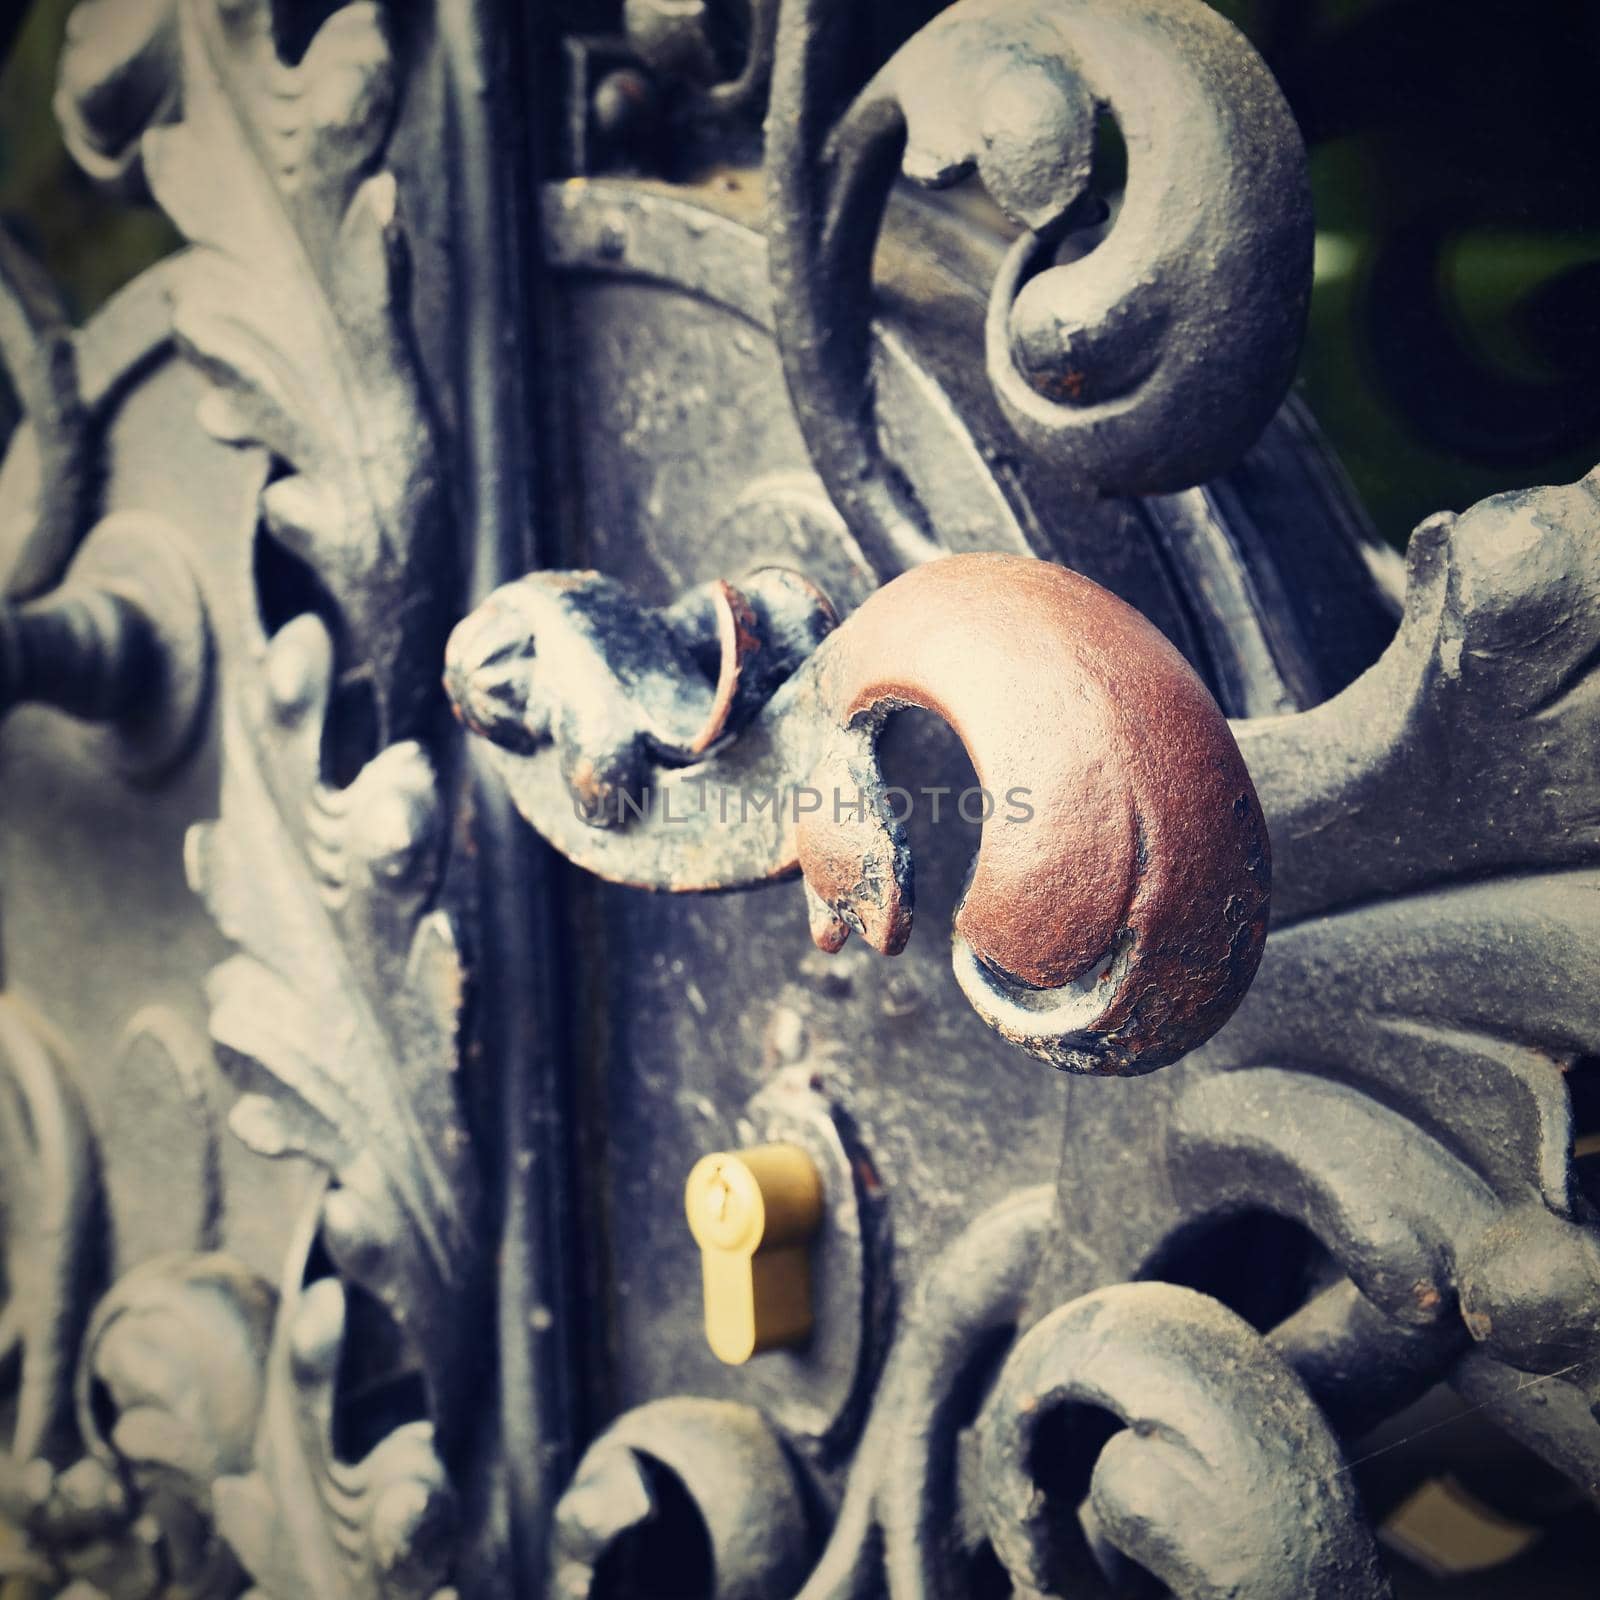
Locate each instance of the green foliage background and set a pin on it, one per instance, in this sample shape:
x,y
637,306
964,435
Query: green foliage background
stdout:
x,y
91,243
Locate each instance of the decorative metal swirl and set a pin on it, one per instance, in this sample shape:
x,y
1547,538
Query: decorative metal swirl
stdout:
x,y
899,1508
1223,1479
726,1462
1145,366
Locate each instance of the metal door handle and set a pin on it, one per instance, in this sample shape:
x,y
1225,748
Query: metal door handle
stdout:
x,y
1112,928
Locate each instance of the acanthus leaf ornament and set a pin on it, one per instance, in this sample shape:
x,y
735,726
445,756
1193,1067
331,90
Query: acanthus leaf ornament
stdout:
x,y
305,1520
340,1014
119,75
293,301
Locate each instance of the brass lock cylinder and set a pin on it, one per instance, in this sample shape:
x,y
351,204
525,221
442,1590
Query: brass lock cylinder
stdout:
x,y
753,1213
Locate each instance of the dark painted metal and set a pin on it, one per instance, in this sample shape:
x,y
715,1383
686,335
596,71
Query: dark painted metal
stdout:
x,y
424,1316
1148,364
94,656
1220,1454
631,1513
521,1117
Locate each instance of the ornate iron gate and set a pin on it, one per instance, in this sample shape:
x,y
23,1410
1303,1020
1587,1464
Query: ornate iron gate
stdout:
x,y
344,1126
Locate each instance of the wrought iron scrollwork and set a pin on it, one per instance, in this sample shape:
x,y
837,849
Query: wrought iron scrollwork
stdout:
x,y
1448,1194
702,1486
1052,1403
1203,1457
1146,365
1412,1119
1223,1477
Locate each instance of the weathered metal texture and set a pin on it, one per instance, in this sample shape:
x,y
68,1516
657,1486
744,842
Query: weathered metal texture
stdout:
x,y
1397,1096
1117,904
1222,1479
618,689
1364,1351
1145,366
902,1503
1268,578
704,1016
1218,1473
701,1489
1414,1119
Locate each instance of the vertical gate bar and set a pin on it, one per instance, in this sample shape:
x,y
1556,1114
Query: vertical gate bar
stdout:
x,y
518,1017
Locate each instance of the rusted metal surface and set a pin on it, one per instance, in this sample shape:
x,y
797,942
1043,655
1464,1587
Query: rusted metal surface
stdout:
x,y
1118,902
1138,883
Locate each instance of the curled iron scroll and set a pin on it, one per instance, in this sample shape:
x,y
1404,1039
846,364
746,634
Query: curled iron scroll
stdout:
x,y
1115,913
1222,1479
1144,366
1139,1423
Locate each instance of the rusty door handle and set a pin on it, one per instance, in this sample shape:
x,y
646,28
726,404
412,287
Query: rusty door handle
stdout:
x,y
730,739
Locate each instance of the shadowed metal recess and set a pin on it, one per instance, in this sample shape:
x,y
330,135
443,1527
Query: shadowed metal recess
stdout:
x,y
582,468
